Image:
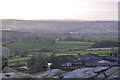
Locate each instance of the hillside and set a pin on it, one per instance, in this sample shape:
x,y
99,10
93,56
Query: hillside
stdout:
x,y
62,26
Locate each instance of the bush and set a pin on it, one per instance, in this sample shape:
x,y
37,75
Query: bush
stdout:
x,y
46,50
105,43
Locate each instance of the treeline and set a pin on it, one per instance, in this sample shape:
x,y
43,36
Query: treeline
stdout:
x,y
28,39
15,36
106,43
39,62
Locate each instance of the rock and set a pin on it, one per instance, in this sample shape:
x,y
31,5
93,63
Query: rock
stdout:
x,y
11,73
51,73
111,71
16,75
55,77
101,75
115,75
3,75
3,56
8,70
99,69
90,73
5,52
81,73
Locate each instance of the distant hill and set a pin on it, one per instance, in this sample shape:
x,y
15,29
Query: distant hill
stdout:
x,y
62,26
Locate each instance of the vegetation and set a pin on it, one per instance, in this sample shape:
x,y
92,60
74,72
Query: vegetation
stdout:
x,y
19,59
33,44
84,52
106,43
41,64
56,26
19,48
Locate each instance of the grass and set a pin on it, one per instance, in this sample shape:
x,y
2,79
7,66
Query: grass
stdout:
x,y
38,73
84,52
19,63
64,54
63,48
19,59
26,46
102,55
59,45
73,44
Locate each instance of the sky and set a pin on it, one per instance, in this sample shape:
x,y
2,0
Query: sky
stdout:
x,y
59,9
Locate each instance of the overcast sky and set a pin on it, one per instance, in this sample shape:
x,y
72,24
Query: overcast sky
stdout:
x,y
59,9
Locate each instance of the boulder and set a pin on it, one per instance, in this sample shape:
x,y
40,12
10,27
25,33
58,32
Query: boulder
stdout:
x,y
9,70
101,76
110,71
55,77
81,73
15,75
4,54
99,69
51,73
114,75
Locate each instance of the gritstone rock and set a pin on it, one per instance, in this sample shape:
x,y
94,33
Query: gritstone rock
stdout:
x,y
4,54
51,73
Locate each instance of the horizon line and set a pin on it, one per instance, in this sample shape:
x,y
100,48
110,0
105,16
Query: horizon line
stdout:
x,y
57,20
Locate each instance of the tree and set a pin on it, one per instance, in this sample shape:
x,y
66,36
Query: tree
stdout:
x,y
37,63
105,43
46,50
56,62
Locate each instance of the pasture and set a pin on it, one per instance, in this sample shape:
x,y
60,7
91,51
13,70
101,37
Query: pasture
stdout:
x,y
100,52
58,45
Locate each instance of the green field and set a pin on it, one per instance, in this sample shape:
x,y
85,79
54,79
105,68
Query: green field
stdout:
x,y
60,45
22,61
85,52
19,59
62,48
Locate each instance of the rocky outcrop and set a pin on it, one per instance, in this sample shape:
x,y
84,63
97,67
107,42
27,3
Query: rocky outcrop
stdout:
x,y
80,73
4,54
87,73
6,72
99,69
51,73
113,72
15,75
92,72
11,73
